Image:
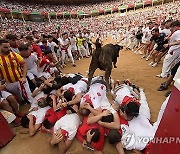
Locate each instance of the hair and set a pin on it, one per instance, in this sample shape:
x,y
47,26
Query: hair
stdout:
x,y
68,95
49,100
85,112
56,86
156,30
47,124
30,38
11,37
114,136
3,41
47,90
64,33
175,23
34,31
47,51
23,47
132,109
58,79
44,41
109,118
50,36
25,121
96,135
64,80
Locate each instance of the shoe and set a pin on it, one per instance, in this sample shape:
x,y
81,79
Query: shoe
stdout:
x,y
144,56
151,63
148,57
154,65
74,65
20,114
17,122
159,76
161,88
140,53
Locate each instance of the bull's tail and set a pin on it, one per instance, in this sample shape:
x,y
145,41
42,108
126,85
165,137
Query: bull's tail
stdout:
x,y
98,44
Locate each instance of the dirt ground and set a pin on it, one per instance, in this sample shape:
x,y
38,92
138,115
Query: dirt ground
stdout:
x,y
130,66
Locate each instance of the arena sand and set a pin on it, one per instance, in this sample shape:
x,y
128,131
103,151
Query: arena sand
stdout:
x,y
130,66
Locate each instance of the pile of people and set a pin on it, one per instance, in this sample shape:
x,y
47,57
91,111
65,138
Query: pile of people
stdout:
x,y
64,106
32,56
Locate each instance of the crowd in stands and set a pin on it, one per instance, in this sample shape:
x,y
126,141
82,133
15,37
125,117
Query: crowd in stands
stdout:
x,y
32,56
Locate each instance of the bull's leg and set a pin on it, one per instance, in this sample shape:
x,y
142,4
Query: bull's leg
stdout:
x,y
92,69
107,75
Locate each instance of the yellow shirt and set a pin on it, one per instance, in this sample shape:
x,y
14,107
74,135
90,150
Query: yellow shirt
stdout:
x,y
80,41
10,67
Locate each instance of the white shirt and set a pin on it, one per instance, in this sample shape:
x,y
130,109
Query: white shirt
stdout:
x,y
52,45
146,35
79,87
95,94
175,37
31,61
70,123
73,41
40,114
166,31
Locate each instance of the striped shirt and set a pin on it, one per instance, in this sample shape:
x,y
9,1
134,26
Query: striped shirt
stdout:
x,y
10,67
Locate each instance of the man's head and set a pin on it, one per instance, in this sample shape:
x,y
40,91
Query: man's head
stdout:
x,y
12,40
114,136
47,124
131,110
68,95
109,118
4,47
150,25
29,39
64,36
24,50
175,25
92,136
48,53
167,23
44,43
50,38
84,112
155,32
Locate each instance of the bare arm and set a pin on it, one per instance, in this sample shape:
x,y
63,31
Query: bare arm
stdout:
x,y
113,125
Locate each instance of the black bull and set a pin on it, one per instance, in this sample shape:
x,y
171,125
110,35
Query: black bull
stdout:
x,y
103,58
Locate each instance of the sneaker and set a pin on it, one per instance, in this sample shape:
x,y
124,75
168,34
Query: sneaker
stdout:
x,y
144,56
154,65
159,76
148,57
74,65
140,53
151,63
17,122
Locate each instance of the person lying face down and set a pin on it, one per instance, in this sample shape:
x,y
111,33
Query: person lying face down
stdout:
x,y
65,129
94,96
77,90
32,122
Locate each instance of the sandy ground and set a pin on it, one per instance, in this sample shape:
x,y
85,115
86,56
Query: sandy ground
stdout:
x,y
130,66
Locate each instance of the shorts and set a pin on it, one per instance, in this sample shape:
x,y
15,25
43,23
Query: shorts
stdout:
x,y
159,48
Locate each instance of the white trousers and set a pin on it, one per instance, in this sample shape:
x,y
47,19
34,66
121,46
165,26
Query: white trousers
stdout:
x,y
169,62
15,89
69,53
